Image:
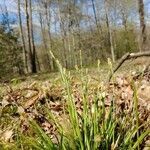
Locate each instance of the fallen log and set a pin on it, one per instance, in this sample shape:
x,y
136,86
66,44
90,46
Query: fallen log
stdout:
x,y
128,56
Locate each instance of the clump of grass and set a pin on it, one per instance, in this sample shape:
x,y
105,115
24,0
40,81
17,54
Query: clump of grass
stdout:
x,y
97,127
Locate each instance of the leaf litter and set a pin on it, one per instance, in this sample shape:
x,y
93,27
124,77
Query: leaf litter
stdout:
x,y
29,102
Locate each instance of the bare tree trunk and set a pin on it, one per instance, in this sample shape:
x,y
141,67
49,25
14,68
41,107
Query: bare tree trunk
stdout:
x,y
94,10
95,16
22,38
34,68
63,36
44,42
47,13
71,23
143,36
109,31
28,35
42,30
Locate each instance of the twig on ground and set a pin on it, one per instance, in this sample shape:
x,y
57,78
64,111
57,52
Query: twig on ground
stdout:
x,y
128,56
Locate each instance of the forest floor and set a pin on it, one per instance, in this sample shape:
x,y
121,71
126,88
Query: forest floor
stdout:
x,y
100,74
23,98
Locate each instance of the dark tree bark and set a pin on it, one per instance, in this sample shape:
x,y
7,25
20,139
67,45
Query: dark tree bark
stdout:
x,y
28,36
142,25
95,16
34,68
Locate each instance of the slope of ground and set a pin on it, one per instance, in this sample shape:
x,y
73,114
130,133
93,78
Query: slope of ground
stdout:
x,y
24,99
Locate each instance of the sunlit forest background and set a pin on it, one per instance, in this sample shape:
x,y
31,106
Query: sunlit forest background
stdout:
x,y
70,29
74,74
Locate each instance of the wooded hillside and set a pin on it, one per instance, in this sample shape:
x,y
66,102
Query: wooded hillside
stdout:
x,y
91,29
74,75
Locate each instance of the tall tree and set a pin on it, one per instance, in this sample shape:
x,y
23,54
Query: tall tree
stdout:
x,y
98,25
22,38
142,25
28,37
63,34
31,46
34,55
109,30
47,7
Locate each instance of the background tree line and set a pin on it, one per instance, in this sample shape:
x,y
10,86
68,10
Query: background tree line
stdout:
x,y
95,29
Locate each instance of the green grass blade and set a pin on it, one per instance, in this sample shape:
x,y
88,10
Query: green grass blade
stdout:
x,y
140,139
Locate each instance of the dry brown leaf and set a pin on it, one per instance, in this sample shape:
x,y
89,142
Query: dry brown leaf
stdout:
x,y
32,100
6,136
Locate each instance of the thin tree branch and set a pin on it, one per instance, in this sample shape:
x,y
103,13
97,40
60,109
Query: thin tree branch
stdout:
x,y
126,57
